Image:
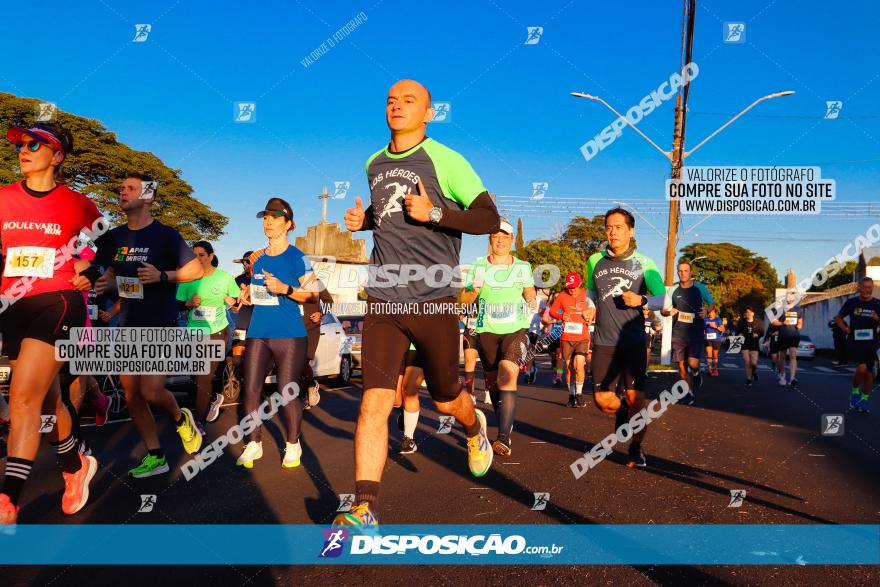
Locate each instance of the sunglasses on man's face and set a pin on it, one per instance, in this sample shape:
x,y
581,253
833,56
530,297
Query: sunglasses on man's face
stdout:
x,y
32,146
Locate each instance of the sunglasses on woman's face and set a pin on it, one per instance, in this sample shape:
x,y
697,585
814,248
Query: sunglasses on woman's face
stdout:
x,y
32,146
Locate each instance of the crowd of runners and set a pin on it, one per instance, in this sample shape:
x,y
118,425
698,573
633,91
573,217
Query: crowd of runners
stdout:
x,y
597,331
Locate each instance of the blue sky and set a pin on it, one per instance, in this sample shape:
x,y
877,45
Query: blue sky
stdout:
x,y
511,116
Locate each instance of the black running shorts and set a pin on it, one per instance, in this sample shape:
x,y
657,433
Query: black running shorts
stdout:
x,y
789,342
683,349
47,317
389,329
862,353
495,348
625,365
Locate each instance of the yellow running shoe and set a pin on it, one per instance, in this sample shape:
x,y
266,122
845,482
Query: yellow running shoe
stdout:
x,y
189,434
479,450
360,515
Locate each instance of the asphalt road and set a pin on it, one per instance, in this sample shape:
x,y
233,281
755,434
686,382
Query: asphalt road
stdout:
x,y
765,440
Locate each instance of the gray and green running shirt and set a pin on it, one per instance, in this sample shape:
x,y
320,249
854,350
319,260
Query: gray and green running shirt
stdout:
x,y
616,324
398,240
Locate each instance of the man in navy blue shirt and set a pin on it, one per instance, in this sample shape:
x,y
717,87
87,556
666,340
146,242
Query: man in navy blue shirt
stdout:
x,y
863,312
151,259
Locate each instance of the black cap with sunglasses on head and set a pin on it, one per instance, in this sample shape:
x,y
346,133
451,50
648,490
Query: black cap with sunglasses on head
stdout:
x,y
245,258
277,207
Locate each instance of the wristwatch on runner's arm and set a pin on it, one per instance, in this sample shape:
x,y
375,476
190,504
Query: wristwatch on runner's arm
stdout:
x,y
435,215
163,277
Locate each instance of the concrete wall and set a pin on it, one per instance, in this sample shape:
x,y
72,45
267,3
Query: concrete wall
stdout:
x,y
816,317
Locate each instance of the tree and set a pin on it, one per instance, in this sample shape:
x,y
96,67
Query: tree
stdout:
x,y
736,276
844,276
519,243
98,165
585,235
560,255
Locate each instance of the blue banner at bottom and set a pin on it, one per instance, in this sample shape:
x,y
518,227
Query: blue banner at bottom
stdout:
x,y
697,544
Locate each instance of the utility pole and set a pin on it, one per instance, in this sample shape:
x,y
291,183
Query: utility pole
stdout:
x,y
677,160
324,197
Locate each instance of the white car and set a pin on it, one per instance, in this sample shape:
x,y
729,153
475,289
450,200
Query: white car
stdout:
x,y
334,355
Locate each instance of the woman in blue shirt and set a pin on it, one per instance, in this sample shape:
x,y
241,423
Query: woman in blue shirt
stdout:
x,y
276,335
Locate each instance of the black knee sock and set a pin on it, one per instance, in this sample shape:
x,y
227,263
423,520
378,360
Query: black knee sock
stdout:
x,y
506,411
622,415
17,472
367,491
68,454
495,396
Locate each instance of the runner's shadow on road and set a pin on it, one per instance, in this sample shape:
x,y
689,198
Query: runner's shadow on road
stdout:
x,y
685,474
500,482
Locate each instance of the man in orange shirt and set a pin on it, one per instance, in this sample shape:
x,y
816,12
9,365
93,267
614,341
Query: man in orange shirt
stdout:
x,y
577,312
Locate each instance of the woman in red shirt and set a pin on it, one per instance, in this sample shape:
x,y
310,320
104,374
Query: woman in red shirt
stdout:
x,y
40,301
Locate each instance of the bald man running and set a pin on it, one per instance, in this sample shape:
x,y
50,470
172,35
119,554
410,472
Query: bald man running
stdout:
x,y
423,197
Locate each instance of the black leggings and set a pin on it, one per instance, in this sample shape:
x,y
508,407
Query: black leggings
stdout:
x,y
288,355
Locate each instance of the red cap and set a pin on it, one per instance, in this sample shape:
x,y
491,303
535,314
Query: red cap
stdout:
x,y
42,133
572,280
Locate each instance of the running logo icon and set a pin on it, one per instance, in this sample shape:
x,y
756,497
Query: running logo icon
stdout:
x,y
622,284
533,35
539,189
734,32
46,112
832,425
541,501
142,32
395,200
147,503
346,500
736,344
148,189
340,189
737,496
245,112
47,423
442,112
334,538
832,109
446,423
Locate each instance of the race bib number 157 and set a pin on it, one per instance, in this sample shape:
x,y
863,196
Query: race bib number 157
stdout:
x,y
29,262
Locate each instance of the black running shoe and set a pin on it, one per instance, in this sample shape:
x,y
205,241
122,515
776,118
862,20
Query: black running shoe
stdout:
x,y
502,446
572,401
698,380
748,382
581,400
636,458
755,376
408,446
794,384
689,399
